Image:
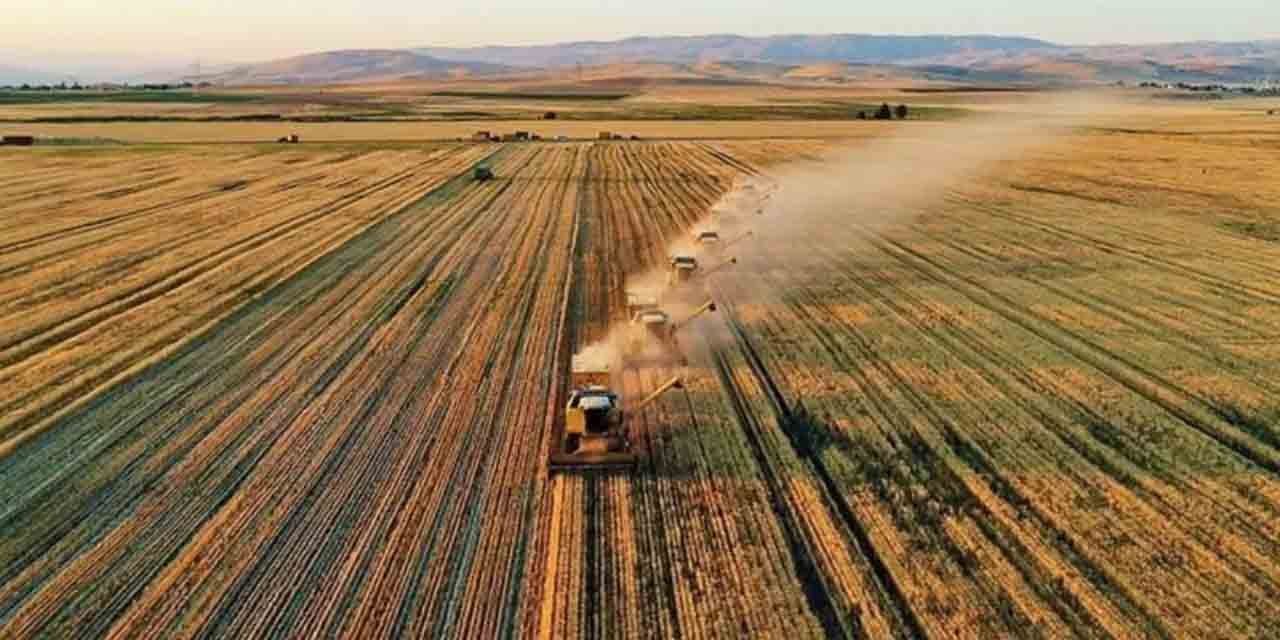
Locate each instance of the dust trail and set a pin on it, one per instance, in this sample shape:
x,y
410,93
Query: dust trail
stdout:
x,y
806,212
803,213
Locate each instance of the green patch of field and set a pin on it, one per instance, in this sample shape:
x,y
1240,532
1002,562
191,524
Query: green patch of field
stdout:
x,y
1269,230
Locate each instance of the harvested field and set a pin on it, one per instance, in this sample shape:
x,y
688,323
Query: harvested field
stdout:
x,y
306,391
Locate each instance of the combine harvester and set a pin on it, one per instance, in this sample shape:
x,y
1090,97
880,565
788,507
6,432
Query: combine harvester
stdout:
x,y
709,240
593,434
684,269
638,301
651,339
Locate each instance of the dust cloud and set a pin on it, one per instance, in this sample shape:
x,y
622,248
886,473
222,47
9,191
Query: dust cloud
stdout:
x,y
806,212
802,214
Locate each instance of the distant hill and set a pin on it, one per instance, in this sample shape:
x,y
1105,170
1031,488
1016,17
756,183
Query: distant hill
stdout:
x,y
365,65
845,58
1193,62
952,58
791,49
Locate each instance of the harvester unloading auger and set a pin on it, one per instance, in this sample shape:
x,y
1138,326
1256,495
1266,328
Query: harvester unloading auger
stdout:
x,y
651,338
593,435
720,248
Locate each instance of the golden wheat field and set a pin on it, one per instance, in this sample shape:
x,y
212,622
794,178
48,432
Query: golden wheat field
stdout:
x,y
309,391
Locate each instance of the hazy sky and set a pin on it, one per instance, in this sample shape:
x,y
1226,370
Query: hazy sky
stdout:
x,y
247,30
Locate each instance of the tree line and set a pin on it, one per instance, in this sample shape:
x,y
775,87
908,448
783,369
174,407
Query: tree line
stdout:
x,y
885,112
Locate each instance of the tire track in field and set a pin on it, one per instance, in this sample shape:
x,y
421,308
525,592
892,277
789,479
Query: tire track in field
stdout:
x,y
972,352
899,608
888,410
335,264
812,581
1244,291
1134,376
226,252
147,292
422,241
135,215
1190,344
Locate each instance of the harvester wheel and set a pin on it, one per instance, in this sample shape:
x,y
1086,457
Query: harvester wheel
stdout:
x,y
571,443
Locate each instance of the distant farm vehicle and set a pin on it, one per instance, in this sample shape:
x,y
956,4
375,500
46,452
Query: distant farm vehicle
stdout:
x,y
289,139
482,173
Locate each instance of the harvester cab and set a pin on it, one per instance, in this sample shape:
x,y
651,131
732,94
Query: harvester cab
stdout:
x,y
683,269
593,435
482,173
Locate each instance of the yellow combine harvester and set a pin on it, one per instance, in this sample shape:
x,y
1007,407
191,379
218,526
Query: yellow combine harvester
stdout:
x,y
593,435
682,269
651,339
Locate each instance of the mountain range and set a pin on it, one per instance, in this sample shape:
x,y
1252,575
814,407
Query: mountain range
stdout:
x,y
811,58
788,49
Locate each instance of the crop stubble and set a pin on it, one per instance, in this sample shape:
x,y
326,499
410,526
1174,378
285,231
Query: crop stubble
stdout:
x,y
1032,411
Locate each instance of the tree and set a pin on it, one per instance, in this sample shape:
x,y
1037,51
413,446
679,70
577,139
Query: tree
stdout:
x,y
901,112
884,112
